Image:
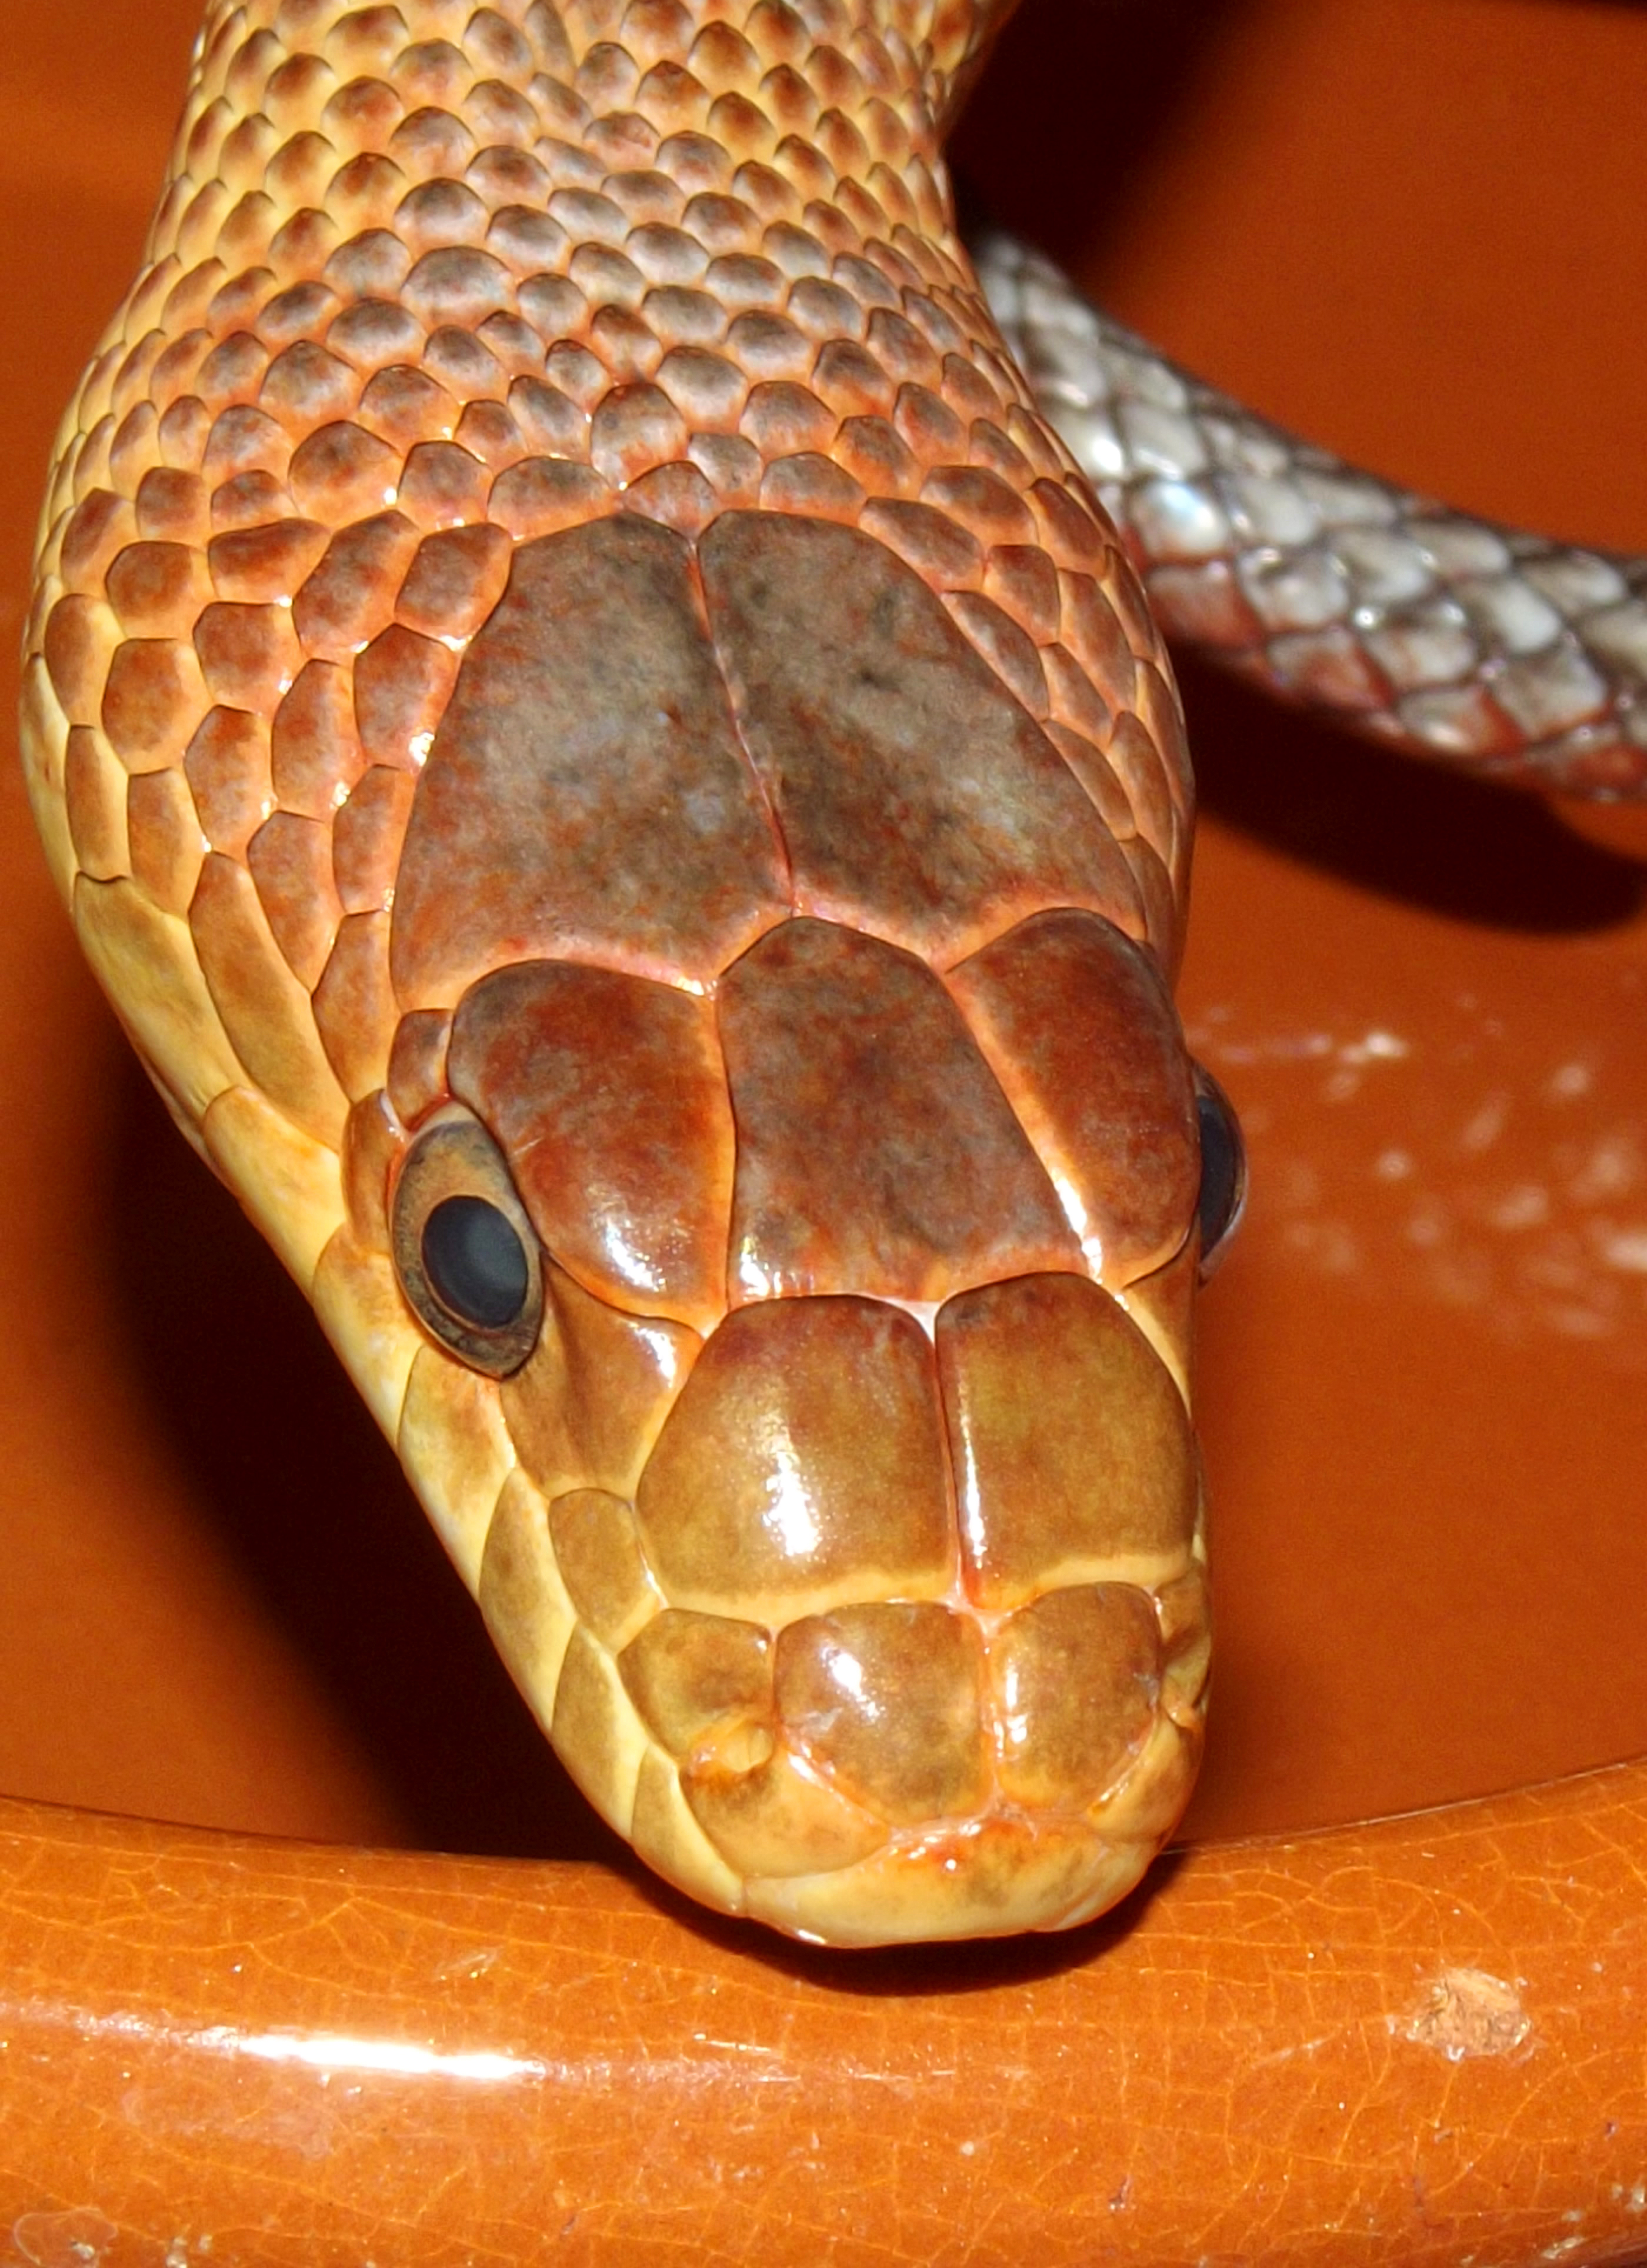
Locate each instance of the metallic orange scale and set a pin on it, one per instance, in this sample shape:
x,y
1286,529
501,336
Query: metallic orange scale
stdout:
x,y
628,798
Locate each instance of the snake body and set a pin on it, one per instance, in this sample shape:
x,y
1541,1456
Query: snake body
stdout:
x,y
627,794
1489,649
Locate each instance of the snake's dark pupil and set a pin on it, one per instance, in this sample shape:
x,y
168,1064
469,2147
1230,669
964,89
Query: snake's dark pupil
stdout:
x,y
1223,1165
475,1263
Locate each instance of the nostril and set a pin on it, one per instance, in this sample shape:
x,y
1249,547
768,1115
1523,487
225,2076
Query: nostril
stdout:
x,y
743,1747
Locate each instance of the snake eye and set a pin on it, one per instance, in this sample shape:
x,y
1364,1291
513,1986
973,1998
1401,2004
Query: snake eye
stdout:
x,y
464,1251
1222,1197
475,1263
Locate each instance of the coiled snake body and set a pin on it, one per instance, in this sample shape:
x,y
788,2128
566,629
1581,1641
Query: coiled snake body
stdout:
x,y
629,797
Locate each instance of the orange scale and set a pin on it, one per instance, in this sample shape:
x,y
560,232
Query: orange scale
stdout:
x,y
1079,1029
544,495
1067,528
930,428
1094,637
402,684
364,191
783,419
98,529
362,115
265,1011
969,393
669,98
158,589
375,334
585,791
1004,646
1162,924
443,486
304,309
1073,1456
636,426
769,346
944,554
298,171
432,142
349,597
598,1554
689,1673
227,768
1077,705
250,500
315,747
547,419
1141,756
586,1410
154,698
607,278
440,212
432,70
608,1094
95,794
354,1004
248,655
342,472
722,58
873,453
678,496
625,342
460,361
1075,1681
501,114
698,165
731,465
455,580
559,313
982,500
163,839
232,373
184,430
417,1064
808,482
707,388
802,1466
887,1701
1021,579
244,439
290,859
258,566
901,349
915,796
876,1151
821,309
403,407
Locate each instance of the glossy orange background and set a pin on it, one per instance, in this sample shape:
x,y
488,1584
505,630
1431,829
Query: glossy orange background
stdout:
x,y
1415,228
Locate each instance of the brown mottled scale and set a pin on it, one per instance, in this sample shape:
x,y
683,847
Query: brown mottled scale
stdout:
x,y
626,793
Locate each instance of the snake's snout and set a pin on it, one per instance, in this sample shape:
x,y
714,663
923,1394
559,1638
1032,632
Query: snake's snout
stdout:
x,y
901,1631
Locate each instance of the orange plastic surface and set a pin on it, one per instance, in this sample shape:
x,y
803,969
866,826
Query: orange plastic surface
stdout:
x,y
1413,228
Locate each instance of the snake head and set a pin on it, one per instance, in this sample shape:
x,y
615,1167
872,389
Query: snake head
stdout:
x,y
631,803
801,1309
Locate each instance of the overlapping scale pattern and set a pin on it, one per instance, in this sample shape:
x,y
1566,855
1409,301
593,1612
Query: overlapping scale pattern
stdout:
x,y
1485,647
558,617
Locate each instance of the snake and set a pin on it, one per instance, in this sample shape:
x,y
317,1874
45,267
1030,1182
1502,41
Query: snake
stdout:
x,y
596,693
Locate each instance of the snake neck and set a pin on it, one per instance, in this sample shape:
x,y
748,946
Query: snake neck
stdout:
x,y
833,104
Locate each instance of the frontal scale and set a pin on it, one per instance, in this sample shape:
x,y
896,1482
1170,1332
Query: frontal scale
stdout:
x,y
650,873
